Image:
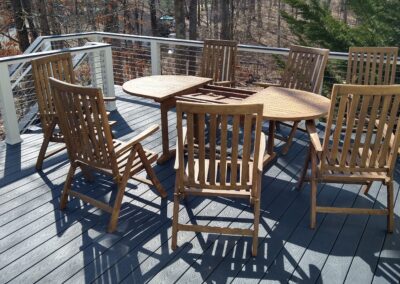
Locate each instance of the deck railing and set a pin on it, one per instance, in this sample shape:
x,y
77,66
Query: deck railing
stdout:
x,y
103,59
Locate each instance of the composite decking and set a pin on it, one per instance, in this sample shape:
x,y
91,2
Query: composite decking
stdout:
x,y
39,243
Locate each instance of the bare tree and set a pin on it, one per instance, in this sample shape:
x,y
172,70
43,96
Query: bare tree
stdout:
x,y
22,31
227,11
180,26
153,17
43,20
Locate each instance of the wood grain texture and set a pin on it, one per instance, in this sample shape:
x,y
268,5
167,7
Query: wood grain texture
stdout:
x,y
230,176
90,145
219,61
163,87
362,157
284,104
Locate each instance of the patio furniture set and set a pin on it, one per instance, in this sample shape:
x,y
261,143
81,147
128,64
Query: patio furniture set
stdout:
x,y
221,149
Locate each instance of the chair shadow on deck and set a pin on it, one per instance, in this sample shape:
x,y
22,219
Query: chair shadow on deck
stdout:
x,y
220,258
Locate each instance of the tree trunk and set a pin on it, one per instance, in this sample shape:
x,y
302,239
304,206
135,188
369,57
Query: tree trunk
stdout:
x,y
27,6
153,17
215,17
43,21
55,26
180,25
91,8
22,32
192,35
226,20
278,32
193,19
111,16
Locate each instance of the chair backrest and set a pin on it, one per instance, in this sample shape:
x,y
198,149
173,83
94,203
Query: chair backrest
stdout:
x,y
232,131
84,124
305,68
58,66
371,65
219,60
363,129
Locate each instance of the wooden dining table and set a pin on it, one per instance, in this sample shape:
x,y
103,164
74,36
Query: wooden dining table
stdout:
x,y
284,104
280,104
163,89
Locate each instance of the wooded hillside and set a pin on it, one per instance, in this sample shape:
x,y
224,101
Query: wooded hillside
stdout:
x,y
248,21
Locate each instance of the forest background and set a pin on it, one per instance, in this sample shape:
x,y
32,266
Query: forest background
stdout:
x,y
333,24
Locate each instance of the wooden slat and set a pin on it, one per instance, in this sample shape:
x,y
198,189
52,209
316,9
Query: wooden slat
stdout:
x,y
224,141
235,150
190,141
202,156
246,148
213,138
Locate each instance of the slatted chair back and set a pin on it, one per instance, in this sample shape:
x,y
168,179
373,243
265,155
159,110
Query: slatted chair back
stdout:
x,y
305,68
58,66
215,162
371,65
219,60
84,123
347,147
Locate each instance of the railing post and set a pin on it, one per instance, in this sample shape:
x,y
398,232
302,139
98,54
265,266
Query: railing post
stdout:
x,y
7,105
108,78
95,68
155,58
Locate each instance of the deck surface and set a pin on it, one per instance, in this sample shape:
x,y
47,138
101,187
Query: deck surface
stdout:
x,y
39,243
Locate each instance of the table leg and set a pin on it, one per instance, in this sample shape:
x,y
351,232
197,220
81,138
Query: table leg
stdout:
x,y
166,152
270,155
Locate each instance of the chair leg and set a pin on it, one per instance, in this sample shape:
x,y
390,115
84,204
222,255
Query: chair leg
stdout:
x,y
390,216
313,201
43,149
290,138
175,219
367,187
67,187
112,225
256,226
304,170
149,170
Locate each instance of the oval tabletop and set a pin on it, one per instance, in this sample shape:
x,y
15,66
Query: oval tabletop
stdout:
x,y
162,87
290,104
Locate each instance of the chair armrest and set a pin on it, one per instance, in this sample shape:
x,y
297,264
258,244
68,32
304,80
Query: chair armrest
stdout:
x,y
261,153
314,138
109,99
137,139
184,132
266,85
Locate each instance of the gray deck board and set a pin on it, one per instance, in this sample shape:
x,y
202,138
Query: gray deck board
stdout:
x,y
39,243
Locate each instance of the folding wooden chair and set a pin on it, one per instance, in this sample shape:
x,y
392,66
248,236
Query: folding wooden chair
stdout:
x,y
209,170
60,67
304,70
371,65
219,61
357,156
83,121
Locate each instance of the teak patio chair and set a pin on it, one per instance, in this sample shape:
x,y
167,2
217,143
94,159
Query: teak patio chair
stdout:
x,y
304,71
219,61
84,123
60,67
371,65
357,157
209,170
